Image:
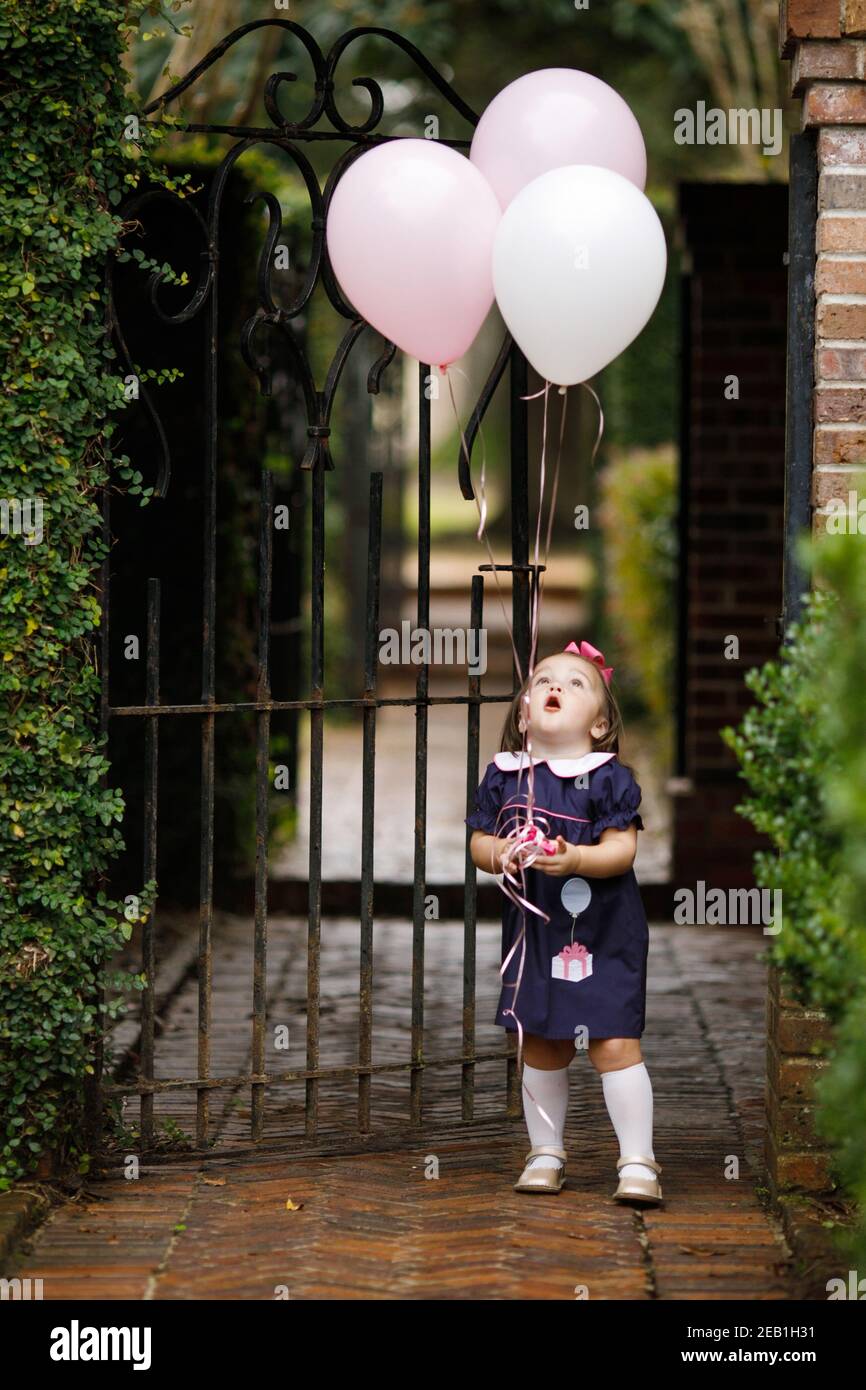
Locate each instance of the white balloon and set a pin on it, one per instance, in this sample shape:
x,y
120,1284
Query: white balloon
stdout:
x,y
579,263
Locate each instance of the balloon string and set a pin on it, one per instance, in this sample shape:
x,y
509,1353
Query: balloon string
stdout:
x,y
600,422
541,572
482,512
526,744
521,940
538,585
481,506
518,854
515,855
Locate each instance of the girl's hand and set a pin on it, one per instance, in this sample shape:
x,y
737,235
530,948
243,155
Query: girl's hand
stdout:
x,y
485,851
498,846
565,861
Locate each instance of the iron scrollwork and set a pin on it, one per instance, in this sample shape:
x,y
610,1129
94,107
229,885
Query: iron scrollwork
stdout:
x,y
285,136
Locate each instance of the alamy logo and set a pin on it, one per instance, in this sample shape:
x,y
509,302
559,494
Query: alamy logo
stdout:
x,y
732,907
739,126
855,1288
22,517
20,1290
455,646
76,1343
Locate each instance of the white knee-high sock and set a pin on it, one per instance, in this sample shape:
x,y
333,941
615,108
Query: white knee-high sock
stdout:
x,y
550,1092
628,1095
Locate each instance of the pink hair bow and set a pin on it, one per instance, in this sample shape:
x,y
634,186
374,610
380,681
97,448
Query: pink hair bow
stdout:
x,y
591,653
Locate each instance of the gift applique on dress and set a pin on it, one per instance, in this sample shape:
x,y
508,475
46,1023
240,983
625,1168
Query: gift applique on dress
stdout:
x,y
573,962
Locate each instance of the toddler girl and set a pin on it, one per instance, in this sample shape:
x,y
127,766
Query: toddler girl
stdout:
x,y
584,970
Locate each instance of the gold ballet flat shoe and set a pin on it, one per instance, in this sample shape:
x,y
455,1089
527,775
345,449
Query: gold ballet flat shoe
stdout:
x,y
643,1190
534,1179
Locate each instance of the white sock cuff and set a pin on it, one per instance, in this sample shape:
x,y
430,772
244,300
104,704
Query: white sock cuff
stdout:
x,y
624,1071
540,1073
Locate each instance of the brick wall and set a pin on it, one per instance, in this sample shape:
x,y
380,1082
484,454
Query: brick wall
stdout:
x,y
796,1158
825,41
830,77
735,237
802,20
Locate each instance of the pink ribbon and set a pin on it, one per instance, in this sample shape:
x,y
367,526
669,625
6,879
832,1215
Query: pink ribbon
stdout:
x,y
523,844
591,653
532,835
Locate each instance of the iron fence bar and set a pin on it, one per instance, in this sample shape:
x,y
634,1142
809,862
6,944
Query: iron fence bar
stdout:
x,y
151,803
800,369
317,716
93,1089
215,1083
521,582
416,1083
473,721
336,1143
208,692
252,706
243,132
473,427
368,801
324,68
263,737
681,670
519,508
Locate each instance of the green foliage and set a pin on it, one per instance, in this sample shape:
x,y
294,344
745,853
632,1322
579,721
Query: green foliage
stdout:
x,y
655,54
841,1090
787,751
638,516
162,50
65,165
803,754
640,387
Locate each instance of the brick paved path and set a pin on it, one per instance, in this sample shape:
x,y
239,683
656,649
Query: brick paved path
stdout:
x,y
373,1225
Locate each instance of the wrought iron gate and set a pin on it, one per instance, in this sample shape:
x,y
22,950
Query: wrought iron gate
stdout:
x,y
210,712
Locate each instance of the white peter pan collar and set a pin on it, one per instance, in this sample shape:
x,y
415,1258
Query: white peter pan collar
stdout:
x,y
562,767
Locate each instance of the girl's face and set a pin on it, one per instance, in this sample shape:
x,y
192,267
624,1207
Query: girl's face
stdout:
x,y
564,702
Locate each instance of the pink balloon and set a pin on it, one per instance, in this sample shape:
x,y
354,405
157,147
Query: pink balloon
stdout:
x,y
553,117
410,236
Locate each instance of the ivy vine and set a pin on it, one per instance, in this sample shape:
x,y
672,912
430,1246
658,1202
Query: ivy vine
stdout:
x,y
74,147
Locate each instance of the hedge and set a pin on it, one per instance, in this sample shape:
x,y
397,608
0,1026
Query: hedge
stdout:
x,y
802,750
840,1091
65,163
787,751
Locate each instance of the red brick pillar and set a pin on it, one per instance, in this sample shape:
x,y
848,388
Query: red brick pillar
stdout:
x,y
825,41
797,1159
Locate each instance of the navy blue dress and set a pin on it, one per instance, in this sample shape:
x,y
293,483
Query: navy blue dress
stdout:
x,y
586,967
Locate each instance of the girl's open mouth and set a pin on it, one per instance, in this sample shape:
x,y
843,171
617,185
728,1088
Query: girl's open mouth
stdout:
x,y
552,702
